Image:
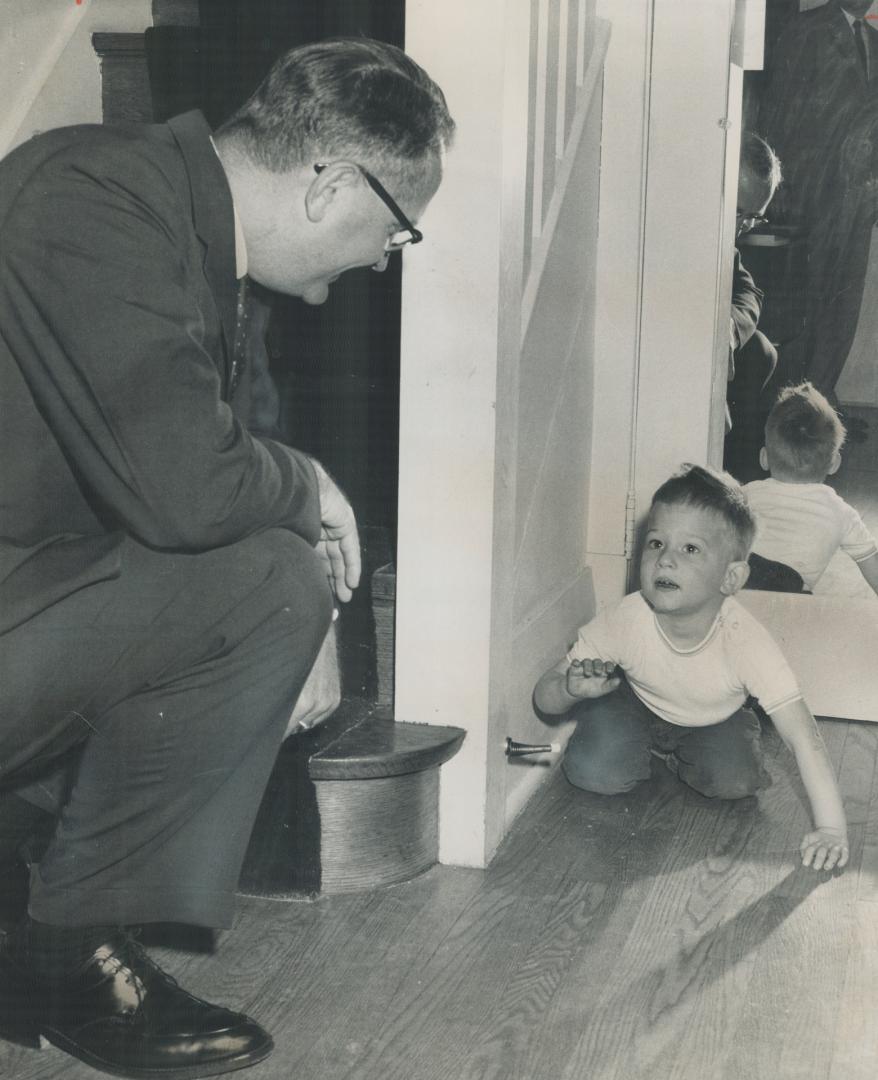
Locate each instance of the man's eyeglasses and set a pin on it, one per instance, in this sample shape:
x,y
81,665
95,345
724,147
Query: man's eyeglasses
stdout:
x,y
407,234
747,221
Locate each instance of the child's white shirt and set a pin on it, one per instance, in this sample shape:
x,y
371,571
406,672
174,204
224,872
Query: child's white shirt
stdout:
x,y
697,686
803,525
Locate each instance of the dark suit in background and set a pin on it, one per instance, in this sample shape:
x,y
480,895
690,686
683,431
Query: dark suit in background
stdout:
x,y
160,599
750,393
816,92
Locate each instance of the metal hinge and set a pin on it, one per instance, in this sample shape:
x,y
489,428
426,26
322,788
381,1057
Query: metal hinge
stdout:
x,y
630,503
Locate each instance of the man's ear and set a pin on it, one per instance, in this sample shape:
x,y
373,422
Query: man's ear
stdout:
x,y
735,577
328,185
835,464
763,459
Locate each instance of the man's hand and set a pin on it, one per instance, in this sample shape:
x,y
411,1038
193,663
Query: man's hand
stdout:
x,y
591,678
321,694
339,543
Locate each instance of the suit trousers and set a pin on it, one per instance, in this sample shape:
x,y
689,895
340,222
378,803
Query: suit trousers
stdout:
x,y
171,685
750,396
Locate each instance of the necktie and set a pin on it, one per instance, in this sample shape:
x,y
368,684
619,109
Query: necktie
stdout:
x,y
861,37
242,318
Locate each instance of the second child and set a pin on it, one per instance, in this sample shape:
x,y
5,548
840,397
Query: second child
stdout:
x,y
801,521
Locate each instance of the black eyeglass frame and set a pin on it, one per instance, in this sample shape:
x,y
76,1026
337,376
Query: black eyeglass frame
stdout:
x,y
415,237
747,220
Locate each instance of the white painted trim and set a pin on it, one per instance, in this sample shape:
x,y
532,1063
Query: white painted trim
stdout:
x,y
619,278
537,777
541,78
543,238
561,96
748,35
580,44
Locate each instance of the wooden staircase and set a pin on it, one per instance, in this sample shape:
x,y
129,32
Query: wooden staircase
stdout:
x,y
353,803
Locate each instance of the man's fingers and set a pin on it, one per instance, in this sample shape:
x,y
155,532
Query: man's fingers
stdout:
x,y
343,565
350,550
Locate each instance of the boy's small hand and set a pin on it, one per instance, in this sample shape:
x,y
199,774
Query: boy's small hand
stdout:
x,y
824,849
591,678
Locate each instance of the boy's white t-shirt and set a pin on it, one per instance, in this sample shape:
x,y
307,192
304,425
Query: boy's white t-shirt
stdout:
x,y
803,525
691,687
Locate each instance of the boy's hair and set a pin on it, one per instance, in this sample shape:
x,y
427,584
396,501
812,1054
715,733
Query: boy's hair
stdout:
x,y
718,492
352,98
803,433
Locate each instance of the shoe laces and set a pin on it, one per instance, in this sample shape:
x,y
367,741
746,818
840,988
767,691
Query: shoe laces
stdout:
x,y
121,957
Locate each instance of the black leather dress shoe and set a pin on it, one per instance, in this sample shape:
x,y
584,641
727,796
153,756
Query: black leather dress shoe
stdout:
x,y
123,1015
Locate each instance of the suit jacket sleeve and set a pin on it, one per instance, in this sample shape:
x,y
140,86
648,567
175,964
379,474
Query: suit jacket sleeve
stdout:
x,y
746,303
117,333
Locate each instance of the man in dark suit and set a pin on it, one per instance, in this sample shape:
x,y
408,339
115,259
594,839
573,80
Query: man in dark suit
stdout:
x,y
163,562
822,76
752,357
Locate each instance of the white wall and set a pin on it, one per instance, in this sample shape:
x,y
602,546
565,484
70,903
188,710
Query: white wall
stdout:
x,y
49,72
497,333
451,298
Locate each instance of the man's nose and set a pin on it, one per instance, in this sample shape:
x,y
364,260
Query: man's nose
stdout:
x,y
666,557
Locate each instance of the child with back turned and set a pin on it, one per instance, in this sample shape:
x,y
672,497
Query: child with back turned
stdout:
x,y
667,670
801,522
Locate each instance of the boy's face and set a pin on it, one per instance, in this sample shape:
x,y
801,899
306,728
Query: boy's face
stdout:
x,y
688,563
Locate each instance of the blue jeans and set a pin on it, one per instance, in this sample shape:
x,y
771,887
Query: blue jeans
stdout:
x,y
610,750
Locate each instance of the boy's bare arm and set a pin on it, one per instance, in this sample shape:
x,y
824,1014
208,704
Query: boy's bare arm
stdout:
x,y
869,570
566,684
827,846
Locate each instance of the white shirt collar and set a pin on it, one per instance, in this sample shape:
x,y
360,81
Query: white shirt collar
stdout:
x,y
853,18
240,246
240,242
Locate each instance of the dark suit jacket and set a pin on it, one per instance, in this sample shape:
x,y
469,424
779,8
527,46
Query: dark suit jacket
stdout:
x,y
117,318
746,306
816,84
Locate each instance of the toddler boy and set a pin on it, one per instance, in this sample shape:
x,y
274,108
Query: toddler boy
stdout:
x,y
667,670
801,522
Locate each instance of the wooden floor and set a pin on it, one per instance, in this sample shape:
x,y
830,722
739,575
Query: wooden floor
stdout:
x,y
654,936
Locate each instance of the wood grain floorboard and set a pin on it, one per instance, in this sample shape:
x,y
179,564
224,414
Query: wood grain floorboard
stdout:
x,y
656,935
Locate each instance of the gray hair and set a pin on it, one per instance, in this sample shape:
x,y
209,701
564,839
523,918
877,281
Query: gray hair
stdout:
x,y
760,161
352,98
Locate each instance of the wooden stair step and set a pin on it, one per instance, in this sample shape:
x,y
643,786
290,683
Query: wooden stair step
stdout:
x,y
351,804
382,746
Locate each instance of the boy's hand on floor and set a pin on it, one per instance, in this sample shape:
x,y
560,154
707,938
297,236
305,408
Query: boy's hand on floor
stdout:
x,y
824,849
591,678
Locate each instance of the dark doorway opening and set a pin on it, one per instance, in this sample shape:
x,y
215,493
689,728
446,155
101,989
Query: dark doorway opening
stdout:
x,y
336,366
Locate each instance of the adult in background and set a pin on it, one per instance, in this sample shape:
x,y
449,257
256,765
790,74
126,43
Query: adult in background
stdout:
x,y
752,357
163,569
840,244
823,74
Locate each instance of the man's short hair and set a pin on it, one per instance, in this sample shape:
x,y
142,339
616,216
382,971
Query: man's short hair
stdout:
x,y
803,433
345,98
760,161
718,492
